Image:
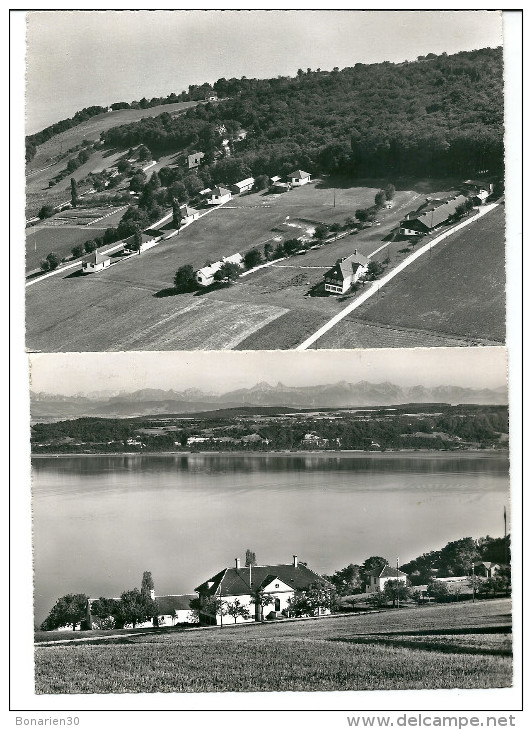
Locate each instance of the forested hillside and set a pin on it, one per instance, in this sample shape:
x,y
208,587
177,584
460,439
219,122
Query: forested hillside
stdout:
x,y
436,116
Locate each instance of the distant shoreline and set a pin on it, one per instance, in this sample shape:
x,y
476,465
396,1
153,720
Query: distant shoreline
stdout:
x,y
340,453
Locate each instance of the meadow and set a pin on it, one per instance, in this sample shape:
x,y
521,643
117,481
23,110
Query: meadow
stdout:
x,y
462,646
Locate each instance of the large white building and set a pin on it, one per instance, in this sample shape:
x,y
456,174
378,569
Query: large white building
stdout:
x,y
280,582
205,275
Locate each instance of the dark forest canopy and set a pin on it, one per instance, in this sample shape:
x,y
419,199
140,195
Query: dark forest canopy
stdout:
x,y
441,115
437,115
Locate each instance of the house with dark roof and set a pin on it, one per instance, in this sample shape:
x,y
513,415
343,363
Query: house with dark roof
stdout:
x,y
219,195
277,582
299,177
380,576
477,186
95,262
430,218
345,272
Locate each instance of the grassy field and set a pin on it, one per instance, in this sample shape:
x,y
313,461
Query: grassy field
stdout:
x,y
62,233
441,300
433,647
91,129
97,312
459,290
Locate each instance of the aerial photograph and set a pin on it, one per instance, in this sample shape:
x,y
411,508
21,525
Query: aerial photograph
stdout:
x,y
344,528
237,188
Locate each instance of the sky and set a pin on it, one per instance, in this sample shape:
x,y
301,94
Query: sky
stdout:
x,y
80,58
221,371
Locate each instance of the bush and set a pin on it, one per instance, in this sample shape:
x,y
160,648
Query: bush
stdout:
x,y
46,211
184,279
51,262
77,252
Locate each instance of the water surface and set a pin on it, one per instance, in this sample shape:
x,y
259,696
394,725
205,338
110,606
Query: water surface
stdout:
x,y
100,521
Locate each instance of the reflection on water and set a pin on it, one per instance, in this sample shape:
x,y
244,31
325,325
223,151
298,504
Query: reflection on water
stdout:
x,y
100,521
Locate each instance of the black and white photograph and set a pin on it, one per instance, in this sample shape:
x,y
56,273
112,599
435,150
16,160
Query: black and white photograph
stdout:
x,y
264,180
266,338
345,528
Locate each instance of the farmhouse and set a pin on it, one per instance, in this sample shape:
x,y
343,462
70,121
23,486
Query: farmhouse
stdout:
x,y
205,276
219,195
299,177
194,159
242,186
95,262
279,582
379,577
480,197
312,440
486,569
171,610
431,218
345,272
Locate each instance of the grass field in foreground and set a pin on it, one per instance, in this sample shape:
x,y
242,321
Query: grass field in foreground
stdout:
x,y
339,653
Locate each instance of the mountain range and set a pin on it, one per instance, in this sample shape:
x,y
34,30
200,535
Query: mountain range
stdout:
x,y
153,401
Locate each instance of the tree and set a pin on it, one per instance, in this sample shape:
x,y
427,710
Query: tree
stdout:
x,y
279,251
69,610
147,584
268,251
77,252
261,599
184,279
236,610
261,182
291,246
228,272
321,231
380,199
51,262
136,243
250,558
309,602
389,191
375,269
74,192
90,246
143,153
104,613
439,591
47,211
348,580
362,215
134,608
252,258
395,590
177,218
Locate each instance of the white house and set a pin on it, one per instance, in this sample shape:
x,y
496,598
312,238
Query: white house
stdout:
x,y
243,583
242,186
299,177
379,577
205,276
345,272
194,159
95,262
219,195
486,569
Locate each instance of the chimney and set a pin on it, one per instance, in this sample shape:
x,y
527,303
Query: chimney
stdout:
x,y
152,594
295,561
237,563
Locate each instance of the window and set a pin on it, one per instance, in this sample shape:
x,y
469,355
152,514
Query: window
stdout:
x,y
277,585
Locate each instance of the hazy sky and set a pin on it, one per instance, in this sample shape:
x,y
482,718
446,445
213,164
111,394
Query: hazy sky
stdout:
x,y
71,373
79,58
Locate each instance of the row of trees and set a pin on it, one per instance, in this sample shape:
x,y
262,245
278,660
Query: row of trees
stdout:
x,y
133,607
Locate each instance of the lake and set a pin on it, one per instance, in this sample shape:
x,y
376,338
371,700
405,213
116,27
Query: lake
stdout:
x,y
100,521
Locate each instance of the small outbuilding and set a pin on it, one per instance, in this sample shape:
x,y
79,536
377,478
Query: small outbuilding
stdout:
x,y
194,159
299,177
205,275
242,186
219,195
95,262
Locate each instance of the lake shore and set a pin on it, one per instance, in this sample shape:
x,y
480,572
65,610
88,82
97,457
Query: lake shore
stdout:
x,y
341,453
